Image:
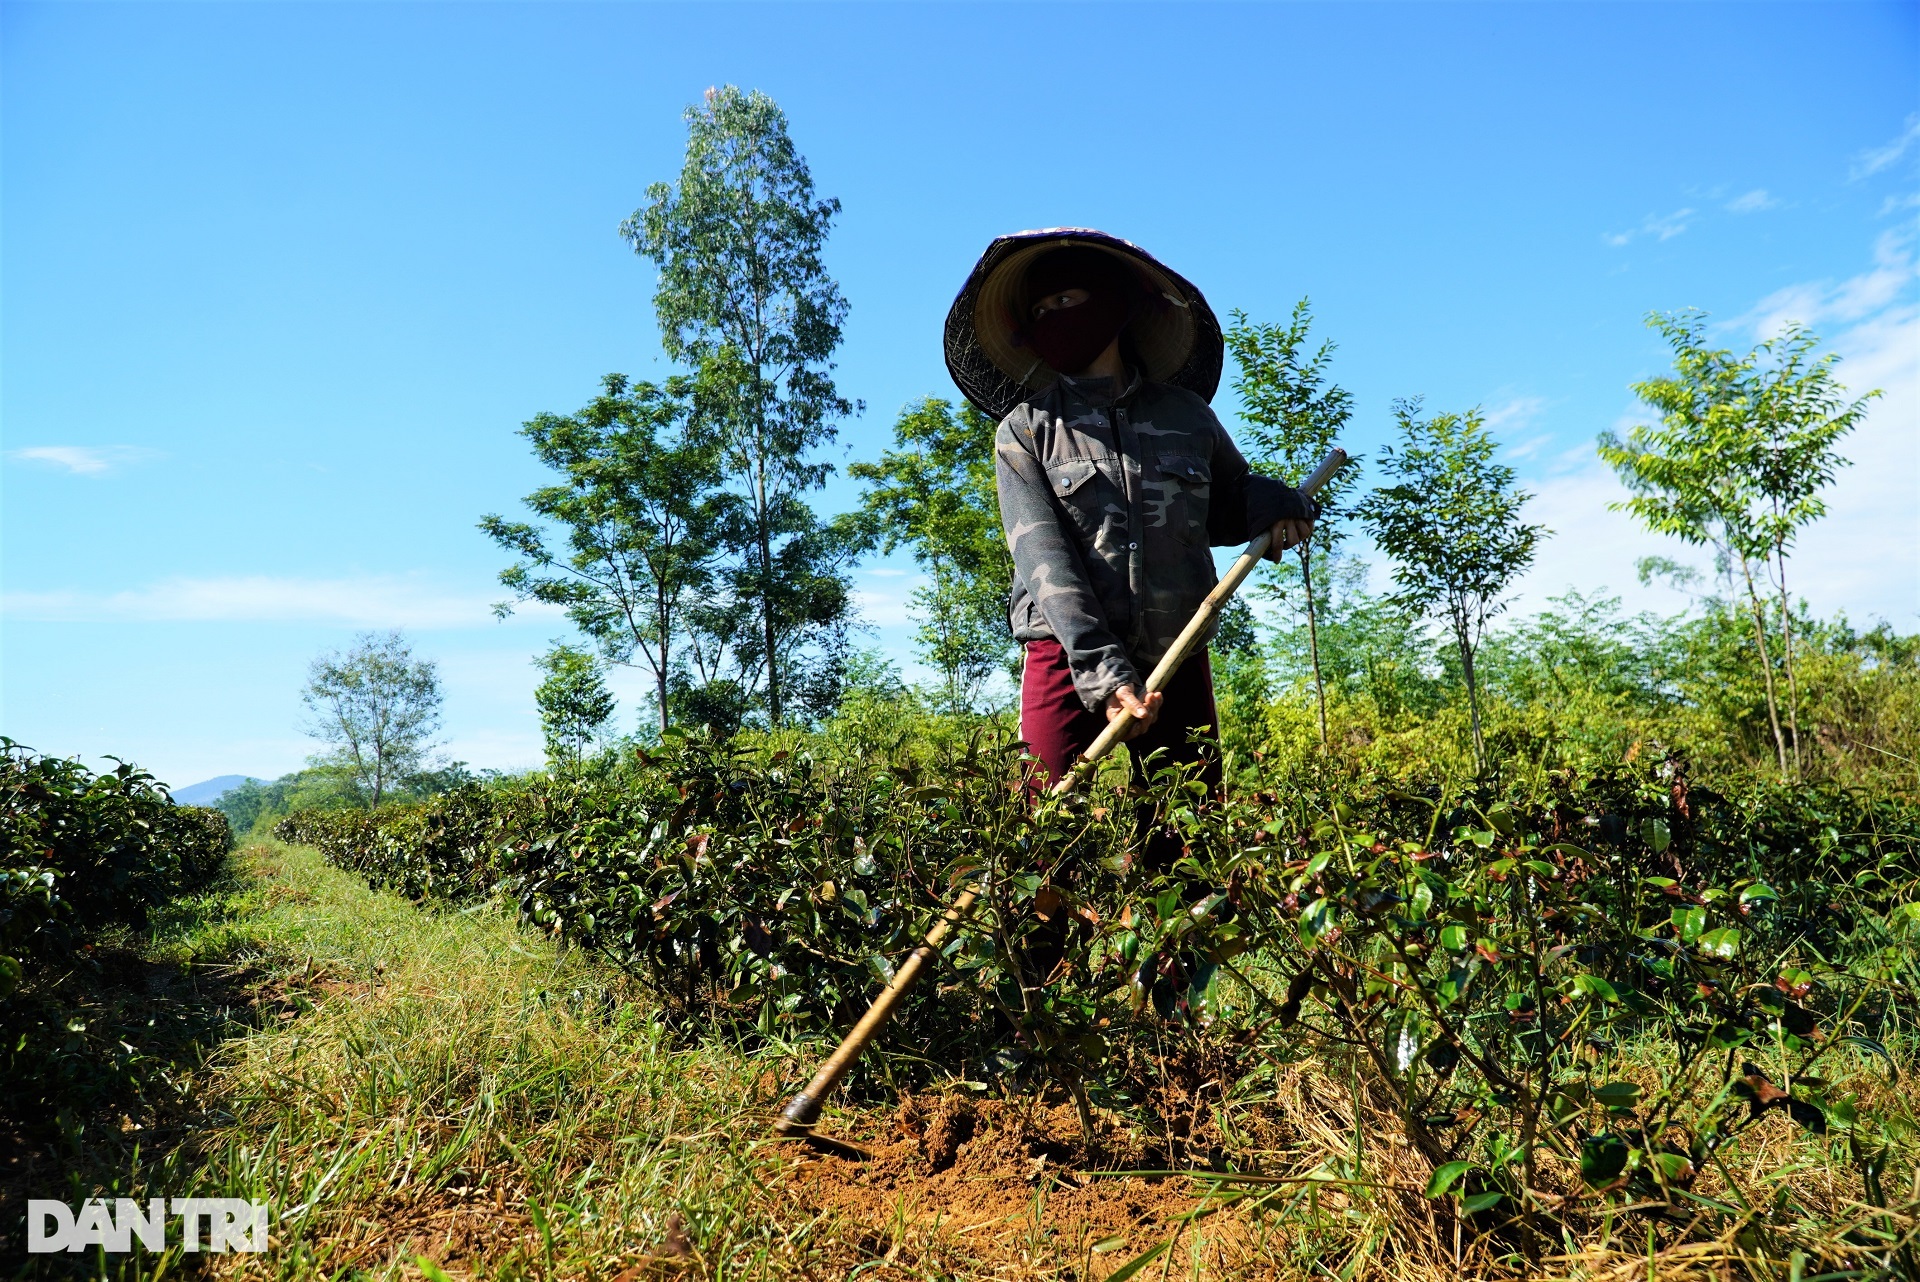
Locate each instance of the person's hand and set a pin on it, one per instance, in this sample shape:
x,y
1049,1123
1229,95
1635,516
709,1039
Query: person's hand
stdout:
x,y
1145,711
1288,532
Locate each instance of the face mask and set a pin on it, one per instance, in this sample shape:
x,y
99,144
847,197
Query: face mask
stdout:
x,y
1071,338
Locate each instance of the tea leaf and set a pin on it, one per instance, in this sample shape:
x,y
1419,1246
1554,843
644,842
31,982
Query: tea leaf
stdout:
x,y
1445,1176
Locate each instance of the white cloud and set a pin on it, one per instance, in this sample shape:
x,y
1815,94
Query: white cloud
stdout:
x,y
1591,548
1874,159
1865,556
1514,420
373,601
84,460
888,609
1514,413
1661,227
1815,303
1894,204
1752,203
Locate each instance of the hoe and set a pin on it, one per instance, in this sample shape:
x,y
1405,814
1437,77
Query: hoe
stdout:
x,y
797,1120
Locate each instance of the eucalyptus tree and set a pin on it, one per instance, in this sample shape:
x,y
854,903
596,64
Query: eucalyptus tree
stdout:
x,y
1292,416
378,707
1742,449
1450,520
934,492
628,538
744,299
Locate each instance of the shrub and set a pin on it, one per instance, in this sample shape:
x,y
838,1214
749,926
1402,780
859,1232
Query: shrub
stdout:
x,y
81,852
1572,990
1595,991
84,859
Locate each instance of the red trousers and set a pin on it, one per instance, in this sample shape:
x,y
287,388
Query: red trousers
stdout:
x,y
1058,727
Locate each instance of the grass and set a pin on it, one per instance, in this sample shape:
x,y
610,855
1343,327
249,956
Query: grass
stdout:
x,y
442,1094
454,1089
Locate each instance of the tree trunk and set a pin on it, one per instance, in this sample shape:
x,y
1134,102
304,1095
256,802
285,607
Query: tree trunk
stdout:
x,y
763,540
663,620
1313,639
766,621
661,679
1766,664
1786,659
1473,698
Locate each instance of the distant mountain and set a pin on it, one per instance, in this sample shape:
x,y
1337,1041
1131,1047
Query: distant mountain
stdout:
x,y
208,792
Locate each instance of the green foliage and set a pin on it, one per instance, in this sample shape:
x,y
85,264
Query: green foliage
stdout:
x,y
1744,445
1737,462
745,300
575,704
1293,419
84,857
379,706
256,806
1451,522
1292,415
935,493
440,849
1509,967
646,524
1577,685
1369,645
1618,975
251,801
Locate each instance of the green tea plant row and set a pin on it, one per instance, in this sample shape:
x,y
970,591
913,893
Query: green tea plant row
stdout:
x,y
81,853
84,859
1591,991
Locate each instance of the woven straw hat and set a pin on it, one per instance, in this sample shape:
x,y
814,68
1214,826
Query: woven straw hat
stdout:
x,y
1175,337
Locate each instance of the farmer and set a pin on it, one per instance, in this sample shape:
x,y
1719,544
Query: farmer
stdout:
x,y
1115,479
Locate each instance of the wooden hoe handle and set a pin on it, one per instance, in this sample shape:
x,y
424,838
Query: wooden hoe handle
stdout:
x,y
798,1118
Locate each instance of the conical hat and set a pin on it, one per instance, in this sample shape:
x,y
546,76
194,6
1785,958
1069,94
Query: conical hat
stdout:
x,y
1176,337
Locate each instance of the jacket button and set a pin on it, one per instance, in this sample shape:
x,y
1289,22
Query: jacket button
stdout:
x,y
1133,547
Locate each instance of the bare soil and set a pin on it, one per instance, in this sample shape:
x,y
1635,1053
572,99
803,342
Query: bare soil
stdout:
x,y
996,1178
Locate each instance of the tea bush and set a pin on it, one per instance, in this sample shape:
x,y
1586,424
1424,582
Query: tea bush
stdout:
x,y
1597,994
82,852
1575,990
765,894
85,858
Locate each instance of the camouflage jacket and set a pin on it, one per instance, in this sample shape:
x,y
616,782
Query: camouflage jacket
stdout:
x,y
1110,508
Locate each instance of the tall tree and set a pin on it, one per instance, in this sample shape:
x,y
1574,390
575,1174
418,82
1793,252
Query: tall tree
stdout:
x,y
643,515
379,707
744,299
1743,447
1293,415
935,493
575,704
1451,522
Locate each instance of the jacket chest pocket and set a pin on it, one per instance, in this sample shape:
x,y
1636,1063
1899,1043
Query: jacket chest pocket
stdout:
x,y
1178,497
1085,491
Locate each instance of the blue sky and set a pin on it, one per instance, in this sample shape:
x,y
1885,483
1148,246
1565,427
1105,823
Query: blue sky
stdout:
x,y
281,281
